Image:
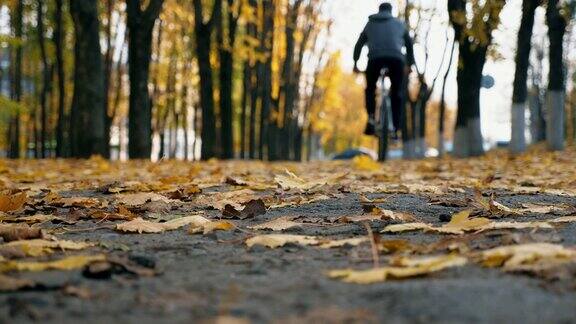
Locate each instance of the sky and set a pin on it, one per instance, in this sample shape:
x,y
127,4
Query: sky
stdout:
x,y
351,16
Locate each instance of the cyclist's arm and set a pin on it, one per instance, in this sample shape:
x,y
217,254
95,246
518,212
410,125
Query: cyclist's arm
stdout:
x,y
359,45
409,49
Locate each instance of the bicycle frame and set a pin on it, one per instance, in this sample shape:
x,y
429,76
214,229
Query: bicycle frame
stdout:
x,y
383,118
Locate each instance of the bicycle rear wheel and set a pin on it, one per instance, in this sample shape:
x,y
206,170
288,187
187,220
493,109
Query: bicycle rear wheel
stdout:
x,y
382,130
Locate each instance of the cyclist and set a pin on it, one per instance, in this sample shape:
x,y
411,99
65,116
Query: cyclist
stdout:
x,y
386,37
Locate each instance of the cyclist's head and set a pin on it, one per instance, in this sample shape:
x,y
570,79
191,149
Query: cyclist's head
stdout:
x,y
386,6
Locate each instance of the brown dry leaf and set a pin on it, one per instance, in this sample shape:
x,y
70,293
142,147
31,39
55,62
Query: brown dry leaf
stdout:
x,y
250,209
206,226
292,181
227,319
385,214
297,200
32,219
547,209
492,208
185,193
197,224
15,232
11,284
565,219
406,268
277,240
38,247
278,224
102,215
68,263
515,225
359,218
449,201
393,246
126,212
344,242
219,200
138,199
366,200
518,257
139,225
82,202
235,182
408,227
11,202
462,221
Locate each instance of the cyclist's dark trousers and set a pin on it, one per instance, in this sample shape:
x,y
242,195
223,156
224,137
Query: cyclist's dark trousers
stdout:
x,y
395,68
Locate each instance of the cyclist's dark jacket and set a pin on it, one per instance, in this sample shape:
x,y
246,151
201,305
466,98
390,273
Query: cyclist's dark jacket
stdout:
x,y
386,37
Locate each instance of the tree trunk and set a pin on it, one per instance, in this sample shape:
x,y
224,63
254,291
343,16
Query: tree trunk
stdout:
x,y
468,139
108,71
244,114
46,80
289,86
203,34
253,144
16,81
555,99
196,122
442,118
226,51
61,128
140,28
468,135
520,93
269,8
88,125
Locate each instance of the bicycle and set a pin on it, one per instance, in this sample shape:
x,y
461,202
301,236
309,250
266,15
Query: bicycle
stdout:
x,y
383,118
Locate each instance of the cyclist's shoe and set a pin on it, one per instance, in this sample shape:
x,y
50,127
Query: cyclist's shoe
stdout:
x,y
370,127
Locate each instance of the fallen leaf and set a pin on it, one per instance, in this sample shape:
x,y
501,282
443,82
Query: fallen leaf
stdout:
x,y
203,225
68,263
278,224
462,221
408,227
102,215
547,209
406,268
32,219
565,219
344,242
14,232
385,214
197,224
250,209
366,200
138,199
516,257
11,202
277,240
82,202
11,284
291,181
38,247
139,225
